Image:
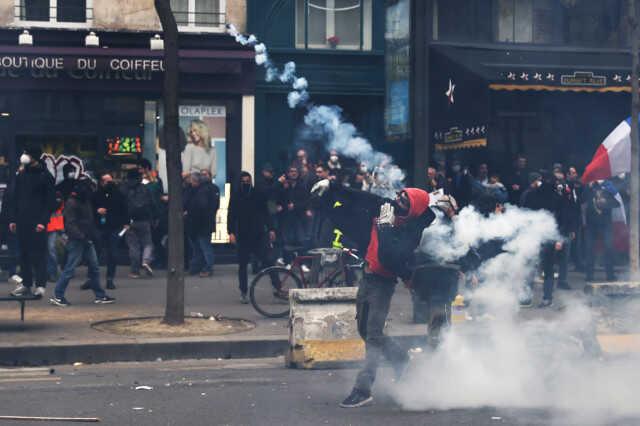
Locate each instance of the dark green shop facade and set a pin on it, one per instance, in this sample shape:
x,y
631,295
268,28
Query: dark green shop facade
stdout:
x,y
338,45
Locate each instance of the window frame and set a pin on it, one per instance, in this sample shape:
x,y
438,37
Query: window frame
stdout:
x,y
53,19
366,34
192,26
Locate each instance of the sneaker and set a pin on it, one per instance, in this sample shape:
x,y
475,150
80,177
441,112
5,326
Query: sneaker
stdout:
x,y
527,303
104,300
546,303
86,285
15,279
288,267
147,269
59,302
356,399
21,290
134,275
305,269
280,262
111,285
244,299
564,286
39,292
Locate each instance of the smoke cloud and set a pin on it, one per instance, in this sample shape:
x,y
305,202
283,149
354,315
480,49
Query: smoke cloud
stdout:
x,y
327,122
500,359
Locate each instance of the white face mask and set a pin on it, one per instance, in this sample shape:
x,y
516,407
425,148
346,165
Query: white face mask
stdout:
x,y
25,159
334,158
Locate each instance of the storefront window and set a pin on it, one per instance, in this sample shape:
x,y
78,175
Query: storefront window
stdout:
x,y
462,20
54,10
198,13
397,55
336,24
525,21
595,22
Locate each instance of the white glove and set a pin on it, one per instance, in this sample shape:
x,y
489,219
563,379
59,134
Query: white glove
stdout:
x,y
387,216
320,187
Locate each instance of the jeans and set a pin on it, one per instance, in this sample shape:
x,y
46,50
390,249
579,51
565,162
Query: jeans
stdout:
x,y
591,234
140,244
201,254
52,259
33,255
372,307
76,251
109,241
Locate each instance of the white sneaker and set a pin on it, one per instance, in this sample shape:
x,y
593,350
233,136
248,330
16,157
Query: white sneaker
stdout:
x,y
305,269
280,262
39,291
21,290
15,279
288,267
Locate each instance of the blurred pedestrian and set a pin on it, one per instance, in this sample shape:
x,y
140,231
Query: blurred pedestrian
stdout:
x,y
140,213
82,234
600,202
30,207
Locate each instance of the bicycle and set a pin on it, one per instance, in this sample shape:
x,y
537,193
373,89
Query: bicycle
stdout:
x,y
269,290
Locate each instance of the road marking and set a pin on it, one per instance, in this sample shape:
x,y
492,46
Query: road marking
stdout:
x,y
254,366
30,379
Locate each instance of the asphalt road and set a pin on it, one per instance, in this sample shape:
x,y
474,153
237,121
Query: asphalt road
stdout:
x,y
218,392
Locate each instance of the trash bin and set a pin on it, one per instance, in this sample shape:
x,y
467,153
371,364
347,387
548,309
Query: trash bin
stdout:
x,y
434,288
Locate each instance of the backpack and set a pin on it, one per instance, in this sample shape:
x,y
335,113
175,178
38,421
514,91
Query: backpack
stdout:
x,y
139,202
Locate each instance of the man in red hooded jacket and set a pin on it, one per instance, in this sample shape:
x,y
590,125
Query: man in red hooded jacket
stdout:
x,y
395,230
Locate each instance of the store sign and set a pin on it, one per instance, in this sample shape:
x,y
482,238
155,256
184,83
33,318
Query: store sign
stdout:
x,y
84,67
124,145
583,79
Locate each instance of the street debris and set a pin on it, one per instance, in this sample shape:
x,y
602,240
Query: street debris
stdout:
x,y
144,388
415,350
78,364
496,418
203,394
138,408
197,314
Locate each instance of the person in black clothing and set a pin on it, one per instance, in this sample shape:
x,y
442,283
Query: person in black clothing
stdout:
x,y
69,181
549,196
250,228
518,181
110,212
459,184
31,206
295,217
140,213
577,245
201,205
600,201
435,181
395,229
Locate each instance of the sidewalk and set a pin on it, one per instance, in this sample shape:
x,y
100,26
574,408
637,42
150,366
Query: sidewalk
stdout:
x,y
52,334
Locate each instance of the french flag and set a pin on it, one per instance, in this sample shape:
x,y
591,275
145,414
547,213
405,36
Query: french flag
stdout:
x,y
613,156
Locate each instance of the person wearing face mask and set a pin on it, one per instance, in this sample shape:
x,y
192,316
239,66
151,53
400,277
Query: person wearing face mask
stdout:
x,y
82,234
140,214
110,212
250,228
334,163
518,180
32,202
395,229
201,206
459,184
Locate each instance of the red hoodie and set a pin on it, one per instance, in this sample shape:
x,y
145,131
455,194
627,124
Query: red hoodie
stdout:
x,y
418,204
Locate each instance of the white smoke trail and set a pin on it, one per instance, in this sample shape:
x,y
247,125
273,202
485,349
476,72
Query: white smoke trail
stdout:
x,y
499,359
327,122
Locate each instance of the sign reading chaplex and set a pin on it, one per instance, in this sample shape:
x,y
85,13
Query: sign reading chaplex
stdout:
x,y
78,67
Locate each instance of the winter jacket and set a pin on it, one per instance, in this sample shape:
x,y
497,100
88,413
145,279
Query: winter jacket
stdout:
x,y
201,205
33,197
116,205
599,204
248,217
79,219
389,250
140,206
547,197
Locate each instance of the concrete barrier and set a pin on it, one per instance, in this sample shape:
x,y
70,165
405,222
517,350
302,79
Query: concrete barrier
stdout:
x,y
616,288
322,328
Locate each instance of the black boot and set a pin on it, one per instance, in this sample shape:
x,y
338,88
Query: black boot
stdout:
x,y
111,285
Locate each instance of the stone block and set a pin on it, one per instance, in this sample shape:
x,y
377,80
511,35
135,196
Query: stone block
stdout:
x,y
616,288
322,328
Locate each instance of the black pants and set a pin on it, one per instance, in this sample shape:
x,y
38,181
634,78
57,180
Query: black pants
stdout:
x,y
33,255
591,236
372,307
248,246
109,241
550,256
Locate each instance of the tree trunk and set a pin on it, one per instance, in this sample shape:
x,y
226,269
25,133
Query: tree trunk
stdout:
x,y
174,308
634,234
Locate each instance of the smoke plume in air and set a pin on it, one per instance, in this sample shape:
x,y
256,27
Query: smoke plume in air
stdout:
x,y
500,359
327,122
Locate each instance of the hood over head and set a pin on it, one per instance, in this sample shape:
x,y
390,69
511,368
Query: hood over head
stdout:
x,y
419,201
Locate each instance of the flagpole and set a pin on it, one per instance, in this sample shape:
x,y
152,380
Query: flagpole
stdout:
x,y
634,220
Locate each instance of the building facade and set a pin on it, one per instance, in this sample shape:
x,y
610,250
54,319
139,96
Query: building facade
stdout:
x,y
338,45
492,79
83,80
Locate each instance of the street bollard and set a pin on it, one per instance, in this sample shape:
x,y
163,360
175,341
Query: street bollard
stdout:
x,y
322,328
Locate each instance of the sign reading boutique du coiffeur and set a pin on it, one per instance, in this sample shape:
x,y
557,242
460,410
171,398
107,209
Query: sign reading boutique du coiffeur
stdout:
x,y
79,67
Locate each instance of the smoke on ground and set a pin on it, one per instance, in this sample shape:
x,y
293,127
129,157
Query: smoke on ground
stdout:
x,y
327,123
499,359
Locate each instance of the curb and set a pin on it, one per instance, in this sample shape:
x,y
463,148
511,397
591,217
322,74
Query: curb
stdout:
x,y
33,355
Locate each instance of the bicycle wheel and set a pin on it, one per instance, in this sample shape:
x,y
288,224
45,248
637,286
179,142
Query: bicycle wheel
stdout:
x,y
269,292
